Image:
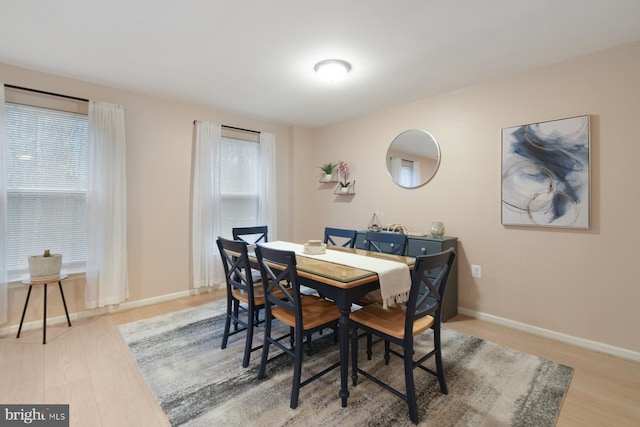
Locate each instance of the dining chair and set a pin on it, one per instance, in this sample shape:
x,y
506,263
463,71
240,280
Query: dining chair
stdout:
x,y
240,289
251,235
304,314
400,324
389,243
343,237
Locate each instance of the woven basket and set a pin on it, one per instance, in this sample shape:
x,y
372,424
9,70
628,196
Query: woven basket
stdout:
x,y
45,268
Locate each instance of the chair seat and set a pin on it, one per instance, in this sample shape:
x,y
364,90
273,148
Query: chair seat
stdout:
x,y
258,294
373,297
315,312
389,321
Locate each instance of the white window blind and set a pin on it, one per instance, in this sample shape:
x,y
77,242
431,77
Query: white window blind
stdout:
x,y
46,160
240,166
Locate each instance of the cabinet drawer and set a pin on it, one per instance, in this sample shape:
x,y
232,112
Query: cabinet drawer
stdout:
x,y
417,247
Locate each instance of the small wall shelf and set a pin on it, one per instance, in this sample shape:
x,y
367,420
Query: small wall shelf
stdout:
x,y
325,180
351,190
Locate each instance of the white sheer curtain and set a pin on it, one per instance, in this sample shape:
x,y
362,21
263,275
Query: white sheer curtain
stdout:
x,y
267,203
416,173
396,169
206,218
3,216
107,271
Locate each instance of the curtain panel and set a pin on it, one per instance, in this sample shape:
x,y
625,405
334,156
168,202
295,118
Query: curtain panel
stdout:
x,y
206,223
107,270
267,203
207,202
3,216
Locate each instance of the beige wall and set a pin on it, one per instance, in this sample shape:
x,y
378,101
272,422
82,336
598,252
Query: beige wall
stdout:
x,y
575,282
159,159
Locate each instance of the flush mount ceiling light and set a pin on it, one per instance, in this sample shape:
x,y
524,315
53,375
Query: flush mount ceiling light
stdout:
x,y
332,70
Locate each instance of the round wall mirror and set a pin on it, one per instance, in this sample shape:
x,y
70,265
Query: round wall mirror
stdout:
x,y
413,158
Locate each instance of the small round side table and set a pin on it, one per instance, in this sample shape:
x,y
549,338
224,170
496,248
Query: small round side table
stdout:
x,y
33,283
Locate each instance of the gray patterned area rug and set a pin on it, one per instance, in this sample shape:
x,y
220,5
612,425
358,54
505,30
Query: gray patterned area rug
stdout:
x,y
198,384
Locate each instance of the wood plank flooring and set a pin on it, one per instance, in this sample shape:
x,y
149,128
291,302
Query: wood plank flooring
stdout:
x,y
89,366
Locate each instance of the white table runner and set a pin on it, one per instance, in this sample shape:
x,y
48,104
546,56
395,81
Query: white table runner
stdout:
x,y
394,277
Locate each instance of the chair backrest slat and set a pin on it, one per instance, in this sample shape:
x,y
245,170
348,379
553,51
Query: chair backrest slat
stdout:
x,y
391,243
251,235
350,236
235,260
427,292
279,273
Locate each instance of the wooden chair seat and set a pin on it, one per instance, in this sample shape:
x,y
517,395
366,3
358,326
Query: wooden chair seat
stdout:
x,y
390,321
315,312
258,294
373,297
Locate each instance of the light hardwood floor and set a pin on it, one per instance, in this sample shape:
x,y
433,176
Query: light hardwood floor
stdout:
x,y
89,366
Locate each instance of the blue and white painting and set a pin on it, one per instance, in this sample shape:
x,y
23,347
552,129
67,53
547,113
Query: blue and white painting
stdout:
x,y
545,174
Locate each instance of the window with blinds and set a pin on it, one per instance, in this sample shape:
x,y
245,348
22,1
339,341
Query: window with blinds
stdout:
x,y
240,168
46,161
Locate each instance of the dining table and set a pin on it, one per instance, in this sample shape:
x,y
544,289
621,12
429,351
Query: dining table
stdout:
x,y
343,280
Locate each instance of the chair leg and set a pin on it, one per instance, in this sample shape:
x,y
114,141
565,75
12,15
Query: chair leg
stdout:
x,y
387,352
249,339
236,310
369,345
265,345
227,325
297,367
439,368
408,379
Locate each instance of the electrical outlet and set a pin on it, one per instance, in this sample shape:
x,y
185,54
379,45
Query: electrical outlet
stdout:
x,y
476,270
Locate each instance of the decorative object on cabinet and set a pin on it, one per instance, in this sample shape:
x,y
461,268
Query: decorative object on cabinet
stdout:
x,y
329,170
417,245
374,224
413,158
546,174
437,229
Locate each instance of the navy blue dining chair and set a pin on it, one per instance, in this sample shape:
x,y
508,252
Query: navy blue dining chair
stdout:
x,y
400,324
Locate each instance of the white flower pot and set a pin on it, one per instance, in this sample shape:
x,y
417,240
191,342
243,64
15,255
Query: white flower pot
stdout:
x,y
328,177
344,189
45,268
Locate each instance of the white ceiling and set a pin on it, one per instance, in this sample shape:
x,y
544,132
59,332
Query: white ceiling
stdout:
x,y
256,57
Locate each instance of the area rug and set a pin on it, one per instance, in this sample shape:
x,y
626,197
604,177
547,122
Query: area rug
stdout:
x,y
198,384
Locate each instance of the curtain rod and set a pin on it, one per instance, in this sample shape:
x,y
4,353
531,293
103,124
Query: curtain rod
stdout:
x,y
46,93
238,129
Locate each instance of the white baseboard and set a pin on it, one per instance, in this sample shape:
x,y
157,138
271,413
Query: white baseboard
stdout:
x,y
556,336
13,330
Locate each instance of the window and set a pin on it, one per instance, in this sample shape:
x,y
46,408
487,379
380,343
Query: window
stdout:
x,y
406,173
240,166
46,186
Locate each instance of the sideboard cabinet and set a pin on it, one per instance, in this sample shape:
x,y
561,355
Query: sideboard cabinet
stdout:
x,y
417,245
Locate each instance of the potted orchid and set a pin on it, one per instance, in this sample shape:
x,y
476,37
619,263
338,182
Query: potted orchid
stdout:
x,y
343,169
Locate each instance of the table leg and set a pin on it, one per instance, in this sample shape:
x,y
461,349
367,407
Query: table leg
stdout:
x,y
344,354
44,318
64,302
24,310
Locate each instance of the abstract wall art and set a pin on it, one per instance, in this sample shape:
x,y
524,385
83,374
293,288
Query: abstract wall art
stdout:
x,y
546,174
